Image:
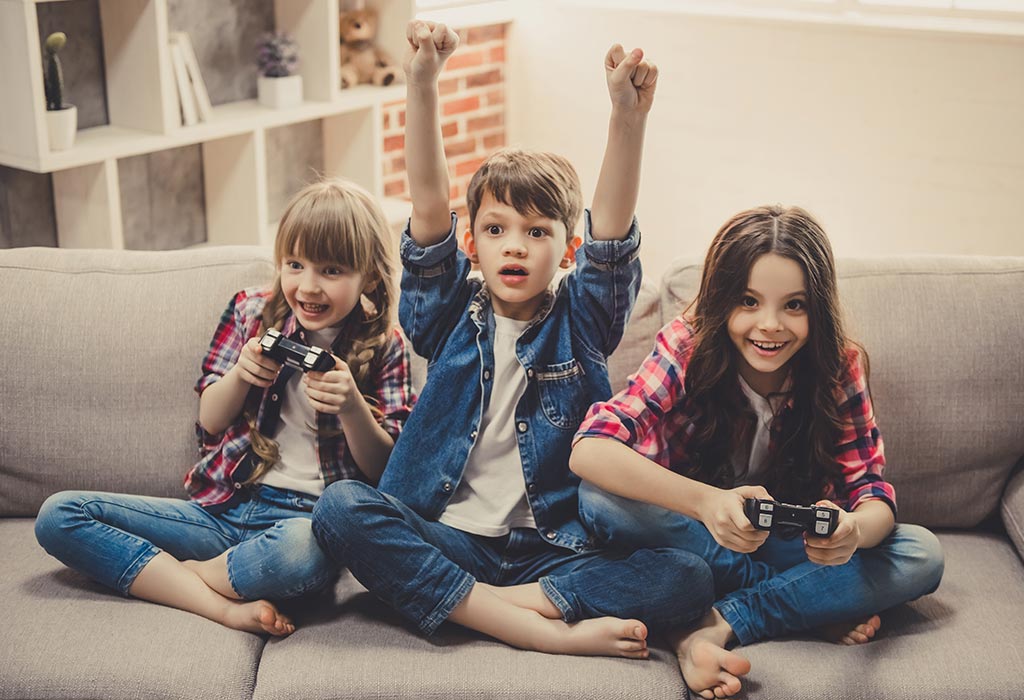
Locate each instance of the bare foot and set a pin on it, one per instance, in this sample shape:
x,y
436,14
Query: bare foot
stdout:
x,y
256,616
599,636
708,668
849,633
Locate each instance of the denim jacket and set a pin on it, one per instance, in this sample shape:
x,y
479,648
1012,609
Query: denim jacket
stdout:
x,y
450,321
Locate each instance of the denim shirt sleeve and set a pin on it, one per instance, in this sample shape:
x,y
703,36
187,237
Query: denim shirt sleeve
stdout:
x,y
435,290
604,286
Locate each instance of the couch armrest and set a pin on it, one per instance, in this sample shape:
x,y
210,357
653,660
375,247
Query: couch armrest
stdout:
x,y
1012,508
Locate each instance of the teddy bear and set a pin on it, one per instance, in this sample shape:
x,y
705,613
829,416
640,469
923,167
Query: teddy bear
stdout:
x,y
361,60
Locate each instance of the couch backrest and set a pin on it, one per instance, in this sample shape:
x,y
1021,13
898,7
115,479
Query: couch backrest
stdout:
x,y
101,350
945,337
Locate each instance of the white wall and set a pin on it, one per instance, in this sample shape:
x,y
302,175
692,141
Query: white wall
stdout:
x,y
899,141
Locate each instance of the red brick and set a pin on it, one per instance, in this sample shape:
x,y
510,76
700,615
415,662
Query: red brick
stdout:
x,y
466,60
488,122
460,148
447,87
489,78
401,118
497,54
394,143
394,188
395,165
495,97
466,104
450,129
468,167
494,141
478,35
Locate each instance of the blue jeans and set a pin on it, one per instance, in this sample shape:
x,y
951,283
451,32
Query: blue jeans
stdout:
x,y
776,590
423,568
110,537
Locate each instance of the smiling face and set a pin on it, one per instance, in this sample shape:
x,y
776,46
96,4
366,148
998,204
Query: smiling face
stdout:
x,y
320,295
518,255
770,324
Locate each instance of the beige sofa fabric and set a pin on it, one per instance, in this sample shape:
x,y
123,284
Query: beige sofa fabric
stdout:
x,y
103,351
1012,509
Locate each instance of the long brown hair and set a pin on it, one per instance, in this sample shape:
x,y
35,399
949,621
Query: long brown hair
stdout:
x,y
336,221
802,462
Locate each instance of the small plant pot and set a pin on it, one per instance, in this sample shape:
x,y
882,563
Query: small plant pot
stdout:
x,y
279,92
62,125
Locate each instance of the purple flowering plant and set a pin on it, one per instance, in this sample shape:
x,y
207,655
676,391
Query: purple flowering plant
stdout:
x,y
277,55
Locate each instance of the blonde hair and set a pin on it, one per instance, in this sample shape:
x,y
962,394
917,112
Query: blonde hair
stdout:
x,y
335,221
531,182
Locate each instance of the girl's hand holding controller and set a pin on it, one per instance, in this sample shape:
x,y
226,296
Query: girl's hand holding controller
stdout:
x,y
722,514
837,549
334,391
254,367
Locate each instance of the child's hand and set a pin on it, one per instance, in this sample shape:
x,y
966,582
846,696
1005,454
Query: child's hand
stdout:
x,y
631,80
255,368
430,45
334,391
722,514
837,549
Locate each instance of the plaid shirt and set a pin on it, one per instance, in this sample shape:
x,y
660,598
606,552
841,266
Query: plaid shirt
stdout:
x,y
219,474
652,416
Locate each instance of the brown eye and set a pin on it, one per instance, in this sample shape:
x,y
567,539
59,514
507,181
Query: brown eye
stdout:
x,y
748,302
796,305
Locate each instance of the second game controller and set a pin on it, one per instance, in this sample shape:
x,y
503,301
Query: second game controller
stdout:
x,y
789,520
288,352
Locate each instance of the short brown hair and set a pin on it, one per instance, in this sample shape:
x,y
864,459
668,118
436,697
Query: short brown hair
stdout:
x,y
531,182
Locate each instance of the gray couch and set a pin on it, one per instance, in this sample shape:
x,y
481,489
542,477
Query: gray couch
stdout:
x,y
100,352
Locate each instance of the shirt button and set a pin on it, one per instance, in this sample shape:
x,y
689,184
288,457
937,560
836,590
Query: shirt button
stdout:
x,y
531,488
529,373
550,535
447,488
522,426
472,435
487,374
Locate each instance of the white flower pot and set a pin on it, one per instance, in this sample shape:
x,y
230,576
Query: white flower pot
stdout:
x,y
62,124
279,92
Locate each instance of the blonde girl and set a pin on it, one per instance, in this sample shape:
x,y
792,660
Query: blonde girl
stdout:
x,y
272,438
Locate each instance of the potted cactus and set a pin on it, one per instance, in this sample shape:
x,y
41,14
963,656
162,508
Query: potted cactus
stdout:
x,y
278,85
61,118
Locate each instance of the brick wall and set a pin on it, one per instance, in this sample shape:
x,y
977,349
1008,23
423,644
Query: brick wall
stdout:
x,y
472,90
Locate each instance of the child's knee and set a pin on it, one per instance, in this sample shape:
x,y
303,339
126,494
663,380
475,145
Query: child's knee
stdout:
x,y
617,520
923,558
339,507
53,515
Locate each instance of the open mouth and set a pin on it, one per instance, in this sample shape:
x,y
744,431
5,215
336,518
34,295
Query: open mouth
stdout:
x,y
313,308
513,271
765,347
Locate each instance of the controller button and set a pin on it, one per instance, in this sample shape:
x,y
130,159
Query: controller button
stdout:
x,y
273,397
765,520
824,514
237,485
767,507
821,528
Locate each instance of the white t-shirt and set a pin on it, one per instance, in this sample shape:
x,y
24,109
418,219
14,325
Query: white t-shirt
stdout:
x,y
749,467
298,468
491,498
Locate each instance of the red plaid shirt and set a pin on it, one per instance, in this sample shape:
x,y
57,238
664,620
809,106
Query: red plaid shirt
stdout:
x,y
652,416
212,482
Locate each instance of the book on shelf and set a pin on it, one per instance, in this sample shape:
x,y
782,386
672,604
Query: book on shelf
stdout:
x,y
202,98
189,115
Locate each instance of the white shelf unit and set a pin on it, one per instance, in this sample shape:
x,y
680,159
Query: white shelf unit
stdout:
x,y
143,115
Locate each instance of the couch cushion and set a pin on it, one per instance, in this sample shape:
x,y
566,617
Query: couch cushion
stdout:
x,y
101,351
964,640
350,646
1012,509
66,637
638,340
944,336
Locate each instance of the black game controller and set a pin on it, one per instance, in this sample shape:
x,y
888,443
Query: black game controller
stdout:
x,y
788,521
288,352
